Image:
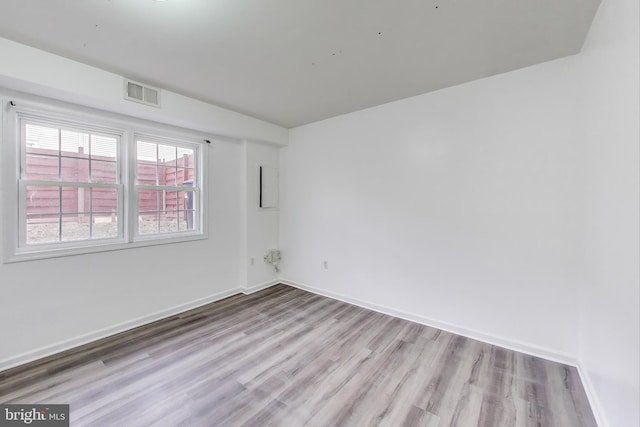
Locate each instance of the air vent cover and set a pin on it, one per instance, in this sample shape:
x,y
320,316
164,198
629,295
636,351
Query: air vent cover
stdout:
x,y
138,92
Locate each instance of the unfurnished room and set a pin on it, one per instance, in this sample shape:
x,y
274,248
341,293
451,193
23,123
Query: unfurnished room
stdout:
x,y
320,213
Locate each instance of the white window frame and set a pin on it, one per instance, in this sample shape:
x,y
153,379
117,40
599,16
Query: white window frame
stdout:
x,y
19,107
136,187
24,118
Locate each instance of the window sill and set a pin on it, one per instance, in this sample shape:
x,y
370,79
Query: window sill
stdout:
x,y
142,242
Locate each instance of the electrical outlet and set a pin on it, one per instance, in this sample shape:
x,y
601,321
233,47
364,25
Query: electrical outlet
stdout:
x,y
252,261
325,264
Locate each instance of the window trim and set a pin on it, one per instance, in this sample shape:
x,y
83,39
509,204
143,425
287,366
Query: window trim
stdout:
x,y
57,113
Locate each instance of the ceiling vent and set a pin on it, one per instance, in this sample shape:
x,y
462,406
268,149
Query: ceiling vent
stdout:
x,y
138,92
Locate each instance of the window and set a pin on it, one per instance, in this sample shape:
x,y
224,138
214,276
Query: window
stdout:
x,y
70,186
88,181
166,194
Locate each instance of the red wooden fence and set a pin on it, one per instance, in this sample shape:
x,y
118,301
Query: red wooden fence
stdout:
x,y
42,164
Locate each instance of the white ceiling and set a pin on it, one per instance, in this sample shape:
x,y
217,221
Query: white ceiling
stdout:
x,y
293,62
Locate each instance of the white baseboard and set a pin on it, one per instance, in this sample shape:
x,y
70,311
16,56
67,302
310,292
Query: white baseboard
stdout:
x,y
260,286
594,401
521,347
112,330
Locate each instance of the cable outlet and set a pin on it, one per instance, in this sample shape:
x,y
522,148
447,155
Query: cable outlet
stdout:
x,y
325,264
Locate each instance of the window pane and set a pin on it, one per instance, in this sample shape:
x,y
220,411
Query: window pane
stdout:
x,y
170,201
103,172
74,144
186,220
74,169
165,211
185,157
181,200
148,200
146,173
41,167
43,205
104,200
147,151
75,227
148,223
168,221
41,139
42,229
104,148
166,173
185,177
42,200
189,200
76,199
166,153
104,209
105,224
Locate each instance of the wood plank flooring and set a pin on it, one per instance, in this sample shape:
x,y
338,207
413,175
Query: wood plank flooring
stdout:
x,y
286,357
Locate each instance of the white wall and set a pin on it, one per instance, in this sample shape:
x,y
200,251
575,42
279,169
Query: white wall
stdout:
x,y
505,209
41,73
262,223
48,305
459,206
610,324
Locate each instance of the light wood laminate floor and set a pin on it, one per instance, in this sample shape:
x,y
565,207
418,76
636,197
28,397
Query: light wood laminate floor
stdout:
x,y
286,357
